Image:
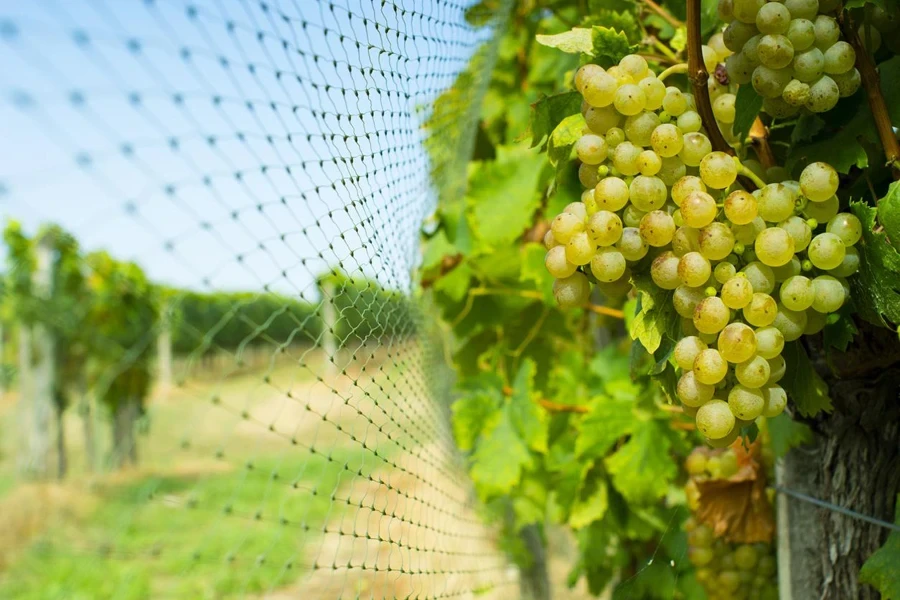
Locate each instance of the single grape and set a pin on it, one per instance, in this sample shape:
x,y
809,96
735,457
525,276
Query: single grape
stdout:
x,y
769,342
556,263
657,228
686,239
649,163
778,368
639,128
848,82
711,314
724,10
822,211
736,293
740,207
723,108
815,322
631,245
801,33
587,198
839,58
611,194
746,11
632,216
585,73
664,271
773,18
799,231
672,170
796,93
797,293
802,9
776,202
848,266
790,323
809,65
774,247
762,310
588,175
565,225
580,249
715,419
695,463
654,91
716,241
788,270
775,51
666,140
710,58
775,401
674,101
686,350
778,108
576,208
600,90
751,49
614,136
739,68
694,269
689,121
768,82
591,149
828,294
685,300
625,158
752,373
698,209
692,392
828,32
616,289
724,272
607,264
826,251
605,228
745,556
760,276
602,119
846,226
647,193
709,367
737,33
717,169
549,240
696,146
635,65
630,99
572,291
823,95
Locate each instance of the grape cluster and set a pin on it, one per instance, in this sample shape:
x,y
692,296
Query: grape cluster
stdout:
x,y
659,200
790,52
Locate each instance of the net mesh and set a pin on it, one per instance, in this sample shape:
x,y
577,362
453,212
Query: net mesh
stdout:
x,y
250,400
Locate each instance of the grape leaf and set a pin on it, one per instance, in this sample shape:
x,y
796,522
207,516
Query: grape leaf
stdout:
x,y
876,288
549,111
841,333
562,140
436,249
802,384
785,433
470,413
806,128
746,106
889,213
655,317
591,502
455,284
577,40
534,271
500,457
525,413
708,14
642,469
605,45
617,20
608,420
881,569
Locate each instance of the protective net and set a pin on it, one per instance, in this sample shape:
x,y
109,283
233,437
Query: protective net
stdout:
x,y
218,381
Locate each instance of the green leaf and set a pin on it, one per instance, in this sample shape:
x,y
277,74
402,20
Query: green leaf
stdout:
x,y
562,140
577,40
592,501
500,457
882,569
470,413
876,288
642,469
785,433
807,127
549,111
534,271
437,248
840,334
802,384
617,20
503,196
609,46
608,420
525,413
656,316
889,213
746,107
455,284
679,40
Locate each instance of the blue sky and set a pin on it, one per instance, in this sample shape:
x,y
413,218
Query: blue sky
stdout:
x,y
227,143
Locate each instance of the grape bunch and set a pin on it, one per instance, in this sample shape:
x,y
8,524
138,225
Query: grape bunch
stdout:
x,y
790,52
747,271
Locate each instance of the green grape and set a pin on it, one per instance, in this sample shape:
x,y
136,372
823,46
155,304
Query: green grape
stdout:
x,y
778,108
745,556
828,32
625,158
586,73
815,322
591,149
685,300
684,186
572,291
761,277
788,270
686,351
839,58
790,323
869,37
654,91
611,194
674,101
724,272
686,239
632,216
753,373
696,146
762,310
550,241
694,270
809,65
848,82
695,463
775,401
737,33
823,95
639,128
797,293
846,226
599,90
588,175
605,228
773,18
717,169
607,264
768,82
739,68
801,33
630,99
631,245
649,163
698,209
672,170
714,89
716,241
647,193
822,211
774,247
778,368
828,294
689,121
666,140
736,292
556,263
740,208
657,228
621,76
769,342
802,9
635,65
799,231
664,271
601,119
709,367
576,208
614,137
587,198
751,49
711,314
775,51
826,251
796,93
776,202
717,42
565,225
744,402
691,392
746,11
580,249
616,289
849,266
729,464
715,420
710,58
723,108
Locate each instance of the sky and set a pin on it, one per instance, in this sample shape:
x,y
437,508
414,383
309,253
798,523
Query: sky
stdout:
x,y
228,144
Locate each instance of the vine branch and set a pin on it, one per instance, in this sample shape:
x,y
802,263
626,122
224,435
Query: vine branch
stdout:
x,y
871,83
653,6
699,78
552,406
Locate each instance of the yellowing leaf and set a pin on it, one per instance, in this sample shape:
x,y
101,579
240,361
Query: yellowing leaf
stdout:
x,y
882,569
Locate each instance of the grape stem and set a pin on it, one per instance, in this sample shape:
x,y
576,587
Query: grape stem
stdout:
x,y
666,15
745,172
871,83
673,70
